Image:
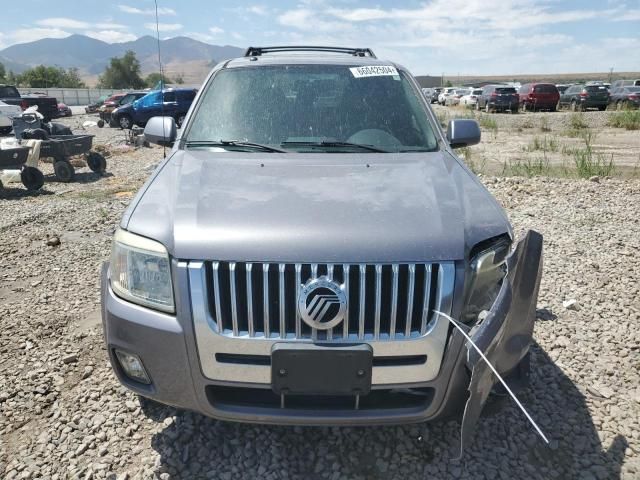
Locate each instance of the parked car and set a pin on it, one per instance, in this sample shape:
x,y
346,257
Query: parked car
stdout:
x,y
562,88
172,102
582,97
7,113
122,100
498,98
64,110
436,93
264,274
625,83
470,99
47,106
428,94
93,107
442,96
625,97
539,96
109,105
454,98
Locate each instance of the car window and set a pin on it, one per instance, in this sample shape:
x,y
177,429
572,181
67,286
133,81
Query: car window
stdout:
x,y
8,92
149,99
476,92
633,89
169,96
505,90
595,88
545,89
312,103
186,95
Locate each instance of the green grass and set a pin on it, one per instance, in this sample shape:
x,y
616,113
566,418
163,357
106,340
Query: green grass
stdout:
x,y
529,167
628,119
546,144
477,167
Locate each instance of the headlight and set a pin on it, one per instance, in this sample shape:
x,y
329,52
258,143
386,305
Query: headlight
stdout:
x,y
484,279
141,272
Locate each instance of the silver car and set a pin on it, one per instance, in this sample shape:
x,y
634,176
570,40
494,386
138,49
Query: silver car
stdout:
x,y
300,255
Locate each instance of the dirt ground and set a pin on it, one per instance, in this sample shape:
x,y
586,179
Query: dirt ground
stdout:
x,y
548,138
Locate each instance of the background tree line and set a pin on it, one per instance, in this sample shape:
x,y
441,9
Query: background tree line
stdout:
x,y
121,73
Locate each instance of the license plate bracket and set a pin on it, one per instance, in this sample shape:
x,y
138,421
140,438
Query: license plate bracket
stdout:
x,y
310,369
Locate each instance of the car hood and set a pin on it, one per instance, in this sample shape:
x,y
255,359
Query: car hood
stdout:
x,y
325,208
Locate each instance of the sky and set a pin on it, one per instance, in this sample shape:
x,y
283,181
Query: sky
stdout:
x,y
430,37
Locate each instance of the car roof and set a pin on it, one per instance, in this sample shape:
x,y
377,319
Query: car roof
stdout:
x,y
307,59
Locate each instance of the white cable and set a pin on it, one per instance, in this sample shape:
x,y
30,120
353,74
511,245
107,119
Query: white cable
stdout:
x,y
504,384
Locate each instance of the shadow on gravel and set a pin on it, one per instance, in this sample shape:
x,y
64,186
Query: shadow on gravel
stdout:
x,y
80,177
18,193
505,446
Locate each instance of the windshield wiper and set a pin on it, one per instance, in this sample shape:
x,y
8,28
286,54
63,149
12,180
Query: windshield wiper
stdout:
x,y
233,143
331,143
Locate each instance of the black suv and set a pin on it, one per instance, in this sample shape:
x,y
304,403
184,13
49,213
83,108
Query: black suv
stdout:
x,y
581,97
498,98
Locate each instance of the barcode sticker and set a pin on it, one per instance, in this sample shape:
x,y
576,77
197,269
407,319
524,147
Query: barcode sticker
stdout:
x,y
374,71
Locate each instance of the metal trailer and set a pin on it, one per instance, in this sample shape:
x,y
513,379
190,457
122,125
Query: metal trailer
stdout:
x,y
61,147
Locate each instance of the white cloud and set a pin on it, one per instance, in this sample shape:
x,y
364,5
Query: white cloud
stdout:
x,y
237,36
111,36
147,11
258,9
25,35
216,30
164,27
72,24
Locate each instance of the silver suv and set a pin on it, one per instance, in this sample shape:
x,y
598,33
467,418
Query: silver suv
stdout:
x,y
300,255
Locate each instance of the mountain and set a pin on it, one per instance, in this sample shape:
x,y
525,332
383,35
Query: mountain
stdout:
x,y
182,56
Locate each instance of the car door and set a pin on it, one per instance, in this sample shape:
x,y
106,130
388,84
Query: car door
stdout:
x,y
148,106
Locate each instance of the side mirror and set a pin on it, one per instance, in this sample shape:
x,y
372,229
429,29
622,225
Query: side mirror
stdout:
x,y
161,131
463,133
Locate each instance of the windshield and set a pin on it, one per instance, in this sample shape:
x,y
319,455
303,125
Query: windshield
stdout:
x,y
295,105
505,90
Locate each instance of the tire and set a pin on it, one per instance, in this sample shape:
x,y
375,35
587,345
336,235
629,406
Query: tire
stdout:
x,y
64,171
100,123
96,162
32,178
124,122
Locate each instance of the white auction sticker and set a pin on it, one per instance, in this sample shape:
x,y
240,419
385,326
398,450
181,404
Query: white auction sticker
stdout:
x,y
374,71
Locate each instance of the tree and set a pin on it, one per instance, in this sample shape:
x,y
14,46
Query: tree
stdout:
x,y
448,84
45,77
154,78
122,73
3,74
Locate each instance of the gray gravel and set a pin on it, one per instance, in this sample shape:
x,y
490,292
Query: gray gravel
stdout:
x,y
63,415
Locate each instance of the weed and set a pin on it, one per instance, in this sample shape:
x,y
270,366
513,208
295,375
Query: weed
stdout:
x,y
530,167
476,167
544,124
589,163
547,144
527,123
576,121
628,119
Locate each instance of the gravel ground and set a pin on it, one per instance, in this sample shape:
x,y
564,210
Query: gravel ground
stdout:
x,y
63,414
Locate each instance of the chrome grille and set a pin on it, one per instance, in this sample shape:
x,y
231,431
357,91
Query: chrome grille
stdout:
x,y
385,301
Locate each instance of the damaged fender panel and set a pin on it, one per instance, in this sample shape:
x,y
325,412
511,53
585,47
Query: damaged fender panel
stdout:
x,y
506,333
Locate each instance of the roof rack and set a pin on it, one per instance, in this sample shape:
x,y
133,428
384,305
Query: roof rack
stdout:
x,y
356,52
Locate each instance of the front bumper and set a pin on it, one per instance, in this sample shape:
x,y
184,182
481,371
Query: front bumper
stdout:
x,y
168,349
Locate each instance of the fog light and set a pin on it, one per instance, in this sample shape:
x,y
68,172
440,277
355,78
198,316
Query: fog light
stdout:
x,y
132,366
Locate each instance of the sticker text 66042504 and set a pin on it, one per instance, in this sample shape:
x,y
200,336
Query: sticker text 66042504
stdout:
x,y
374,71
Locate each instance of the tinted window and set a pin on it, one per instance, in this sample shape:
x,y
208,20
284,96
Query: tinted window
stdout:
x,y
8,92
186,95
503,90
595,88
169,96
312,103
545,88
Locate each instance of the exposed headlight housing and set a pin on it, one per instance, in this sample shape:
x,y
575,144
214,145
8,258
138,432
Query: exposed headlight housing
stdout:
x,y
141,271
487,270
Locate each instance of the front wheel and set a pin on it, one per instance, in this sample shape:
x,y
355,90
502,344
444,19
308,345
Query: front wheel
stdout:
x,y
125,122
